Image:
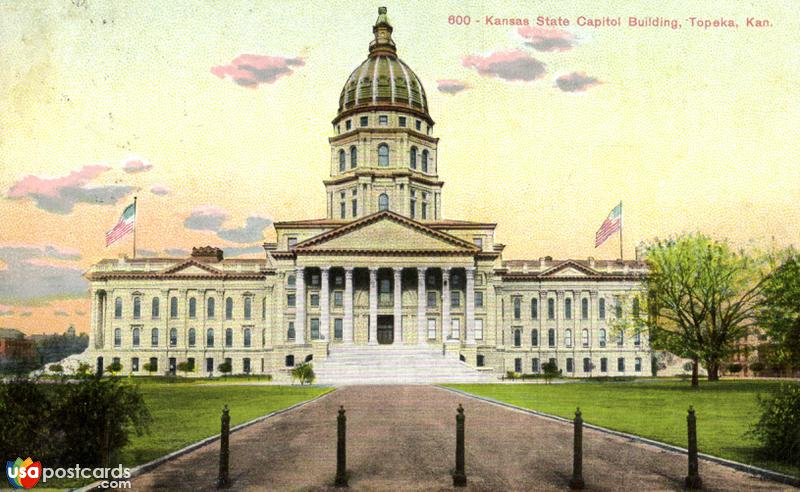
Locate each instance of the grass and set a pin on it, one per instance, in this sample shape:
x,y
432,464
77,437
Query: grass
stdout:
x,y
186,412
655,410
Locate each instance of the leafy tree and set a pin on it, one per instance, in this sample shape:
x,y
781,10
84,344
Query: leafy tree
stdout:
x,y
225,368
83,369
779,311
185,367
550,370
149,367
701,296
304,373
25,408
734,368
114,367
778,428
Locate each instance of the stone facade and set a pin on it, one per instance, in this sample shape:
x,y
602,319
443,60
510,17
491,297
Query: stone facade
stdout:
x,y
384,267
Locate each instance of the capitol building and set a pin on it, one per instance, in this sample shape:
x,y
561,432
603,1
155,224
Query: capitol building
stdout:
x,y
382,282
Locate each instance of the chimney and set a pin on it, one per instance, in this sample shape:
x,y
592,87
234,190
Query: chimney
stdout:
x,y
591,262
207,254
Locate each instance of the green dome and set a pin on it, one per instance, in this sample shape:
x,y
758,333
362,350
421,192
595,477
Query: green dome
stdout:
x,y
383,80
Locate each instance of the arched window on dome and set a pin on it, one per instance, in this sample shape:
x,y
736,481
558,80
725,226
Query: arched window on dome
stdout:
x,y
383,155
353,157
424,161
412,158
383,202
342,158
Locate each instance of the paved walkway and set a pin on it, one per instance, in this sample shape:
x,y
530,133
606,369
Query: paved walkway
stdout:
x,y
403,438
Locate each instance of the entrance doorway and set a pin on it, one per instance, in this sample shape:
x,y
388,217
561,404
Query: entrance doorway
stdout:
x,y
385,330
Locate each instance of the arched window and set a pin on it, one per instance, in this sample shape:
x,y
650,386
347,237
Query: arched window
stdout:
x,y
551,308
290,332
154,337
118,307
517,338
192,337
383,155
228,337
210,337
192,307
342,159
136,337
229,308
247,337
424,161
248,307
210,307
602,337
263,308
137,307
534,308
117,337
383,202
568,308
635,307
517,308
173,337
602,309
412,158
155,308
584,308
618,308
620,339
353,157
585,337
551,337
291,281
173,307
637,338
535,338
568,337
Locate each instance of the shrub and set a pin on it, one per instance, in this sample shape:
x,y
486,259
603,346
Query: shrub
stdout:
x,y
225,368
757,366
778,429
304,373
734,368
25,410
114,367
512,375
56,368
550,370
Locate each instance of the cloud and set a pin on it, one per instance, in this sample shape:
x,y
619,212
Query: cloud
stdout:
x,y
452,86
507,65
247,250
252,231
59,195
146,253
80,313
160,190
136,166
252,70
37,271
547,39
177,252
26,314
206,218
6,312
60,313
576,82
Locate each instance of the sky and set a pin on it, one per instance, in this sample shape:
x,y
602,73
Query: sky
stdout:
x,y
216,116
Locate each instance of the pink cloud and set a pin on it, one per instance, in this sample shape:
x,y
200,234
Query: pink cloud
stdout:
x,y
547,39
206,218
160,190
136,166
507,65
51,187
449,86
576,82
253,70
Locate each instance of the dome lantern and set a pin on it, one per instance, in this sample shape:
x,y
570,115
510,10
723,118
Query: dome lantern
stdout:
x,y
383,43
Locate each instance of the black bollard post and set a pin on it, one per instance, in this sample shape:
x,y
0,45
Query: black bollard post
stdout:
x,y
693,480
341,449
459,476
576,482
224,452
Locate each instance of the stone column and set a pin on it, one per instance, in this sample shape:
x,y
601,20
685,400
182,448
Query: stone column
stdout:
x,y
446,324
421,305
347,323
398,305
470,305
300,307
373,305
324,304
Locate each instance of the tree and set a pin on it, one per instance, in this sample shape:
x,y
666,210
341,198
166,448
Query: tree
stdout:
x,y
701,297
83,369
304,373
778,428
550,370
779,311
225,368
185,367
114,367
149,367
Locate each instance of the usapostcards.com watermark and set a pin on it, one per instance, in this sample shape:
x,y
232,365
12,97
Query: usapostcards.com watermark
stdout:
x,y
26,474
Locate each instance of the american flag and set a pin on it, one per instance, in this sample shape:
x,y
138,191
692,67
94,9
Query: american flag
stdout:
x,y
124,225
612,224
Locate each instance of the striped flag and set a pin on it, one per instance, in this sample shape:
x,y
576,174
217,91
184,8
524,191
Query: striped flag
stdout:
x,y
612,224
124,225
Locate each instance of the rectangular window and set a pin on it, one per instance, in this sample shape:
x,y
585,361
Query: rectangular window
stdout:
x,y
478,329
348,125
637,364
584,308
602,309
551,337
603,365
455,331
568,308
418,125
383,120
153,364
246,365
314,300
210,364
570,367
455,299
478,242
354,204
478,299
190,362
135,364
431,329
637,338
518,365
517,308
402,121
337,328
534,309
291,300
535,365
315,280
314,328
481,360
621,364
364,121
431,299
587,364
551,309
338,298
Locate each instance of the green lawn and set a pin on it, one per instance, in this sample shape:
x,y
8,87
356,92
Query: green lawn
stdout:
x,y
656,410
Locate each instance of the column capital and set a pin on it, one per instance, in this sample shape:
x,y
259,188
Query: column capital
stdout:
x,y
373,269
348,271
397,272
325,268
470,271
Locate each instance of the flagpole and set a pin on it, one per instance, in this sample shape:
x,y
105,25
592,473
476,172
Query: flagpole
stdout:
x,y
134,226
620,231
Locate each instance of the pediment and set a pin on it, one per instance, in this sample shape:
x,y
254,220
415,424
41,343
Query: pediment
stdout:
x,y
569,269
385,231
190,268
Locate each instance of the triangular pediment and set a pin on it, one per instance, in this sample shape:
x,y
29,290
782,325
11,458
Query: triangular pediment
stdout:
x,y
385,231
569,268
189,268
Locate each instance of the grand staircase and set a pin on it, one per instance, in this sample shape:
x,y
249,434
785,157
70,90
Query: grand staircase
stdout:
x,y
388,364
